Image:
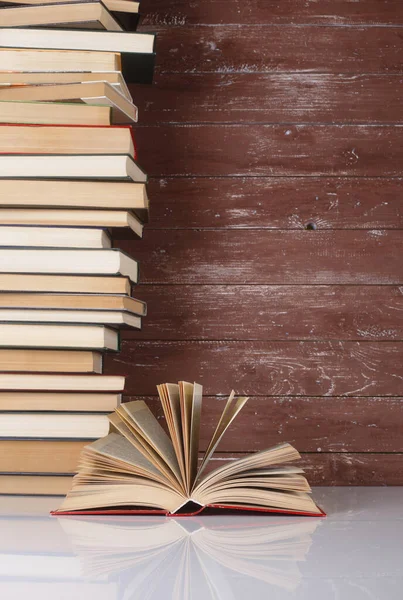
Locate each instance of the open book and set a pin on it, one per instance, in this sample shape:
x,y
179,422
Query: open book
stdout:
x,y
139,467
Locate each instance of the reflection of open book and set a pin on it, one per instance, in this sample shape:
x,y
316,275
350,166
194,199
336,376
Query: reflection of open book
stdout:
x,y
139,466
154,558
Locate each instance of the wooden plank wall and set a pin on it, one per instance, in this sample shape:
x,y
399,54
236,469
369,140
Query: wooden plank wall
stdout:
x,y
273,259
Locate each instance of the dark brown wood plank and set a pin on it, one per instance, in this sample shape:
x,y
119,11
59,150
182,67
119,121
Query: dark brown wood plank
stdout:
x,y
270,150
295,312
273,98
309,424
269,257
343,468
279,48
264,368
276,203
327,12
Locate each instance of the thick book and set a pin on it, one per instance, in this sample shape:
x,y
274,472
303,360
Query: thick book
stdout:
x,y
114,78
58,217
69,361
68,261
139,468
35,485
87,302
13,282
66,139
40,456
26,60
125,12
46,401
53,426
44,113
84,15
61,382
53,237
87,92
136,49
58,336
79,166
60,193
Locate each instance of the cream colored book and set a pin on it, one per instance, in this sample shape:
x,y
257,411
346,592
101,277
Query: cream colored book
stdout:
x,y
85,15
85,302
36,485
71,218
54,426
44,113
70,139
61,193
63,39
80,361
162,472
87,92
113,318
39,456
34,335
53,237
68,261
114,78
15,282
37,60
59,402
112,5
49,382
82,166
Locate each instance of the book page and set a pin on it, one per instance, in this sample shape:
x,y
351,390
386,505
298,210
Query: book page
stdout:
x,y
186,400
149,428
232,408
259,460
117,447
170,400
195,419
145,448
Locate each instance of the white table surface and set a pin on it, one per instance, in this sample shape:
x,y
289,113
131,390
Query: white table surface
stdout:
x,y
355,553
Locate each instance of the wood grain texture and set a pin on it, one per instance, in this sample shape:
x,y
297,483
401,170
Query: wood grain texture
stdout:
x,y
272,98
276,203
343,468
269,257
279,48
176,13
310,424
264,368
271,150
259,312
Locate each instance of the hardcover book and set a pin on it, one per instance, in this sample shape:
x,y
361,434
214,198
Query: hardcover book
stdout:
x,y
140,468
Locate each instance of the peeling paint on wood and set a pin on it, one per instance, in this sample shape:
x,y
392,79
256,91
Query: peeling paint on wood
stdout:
x,y
260,312
276,203
264,368
269,257
271,150
176,13
274,98
279,48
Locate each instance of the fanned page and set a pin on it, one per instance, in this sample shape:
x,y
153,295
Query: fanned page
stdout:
x,y
141,467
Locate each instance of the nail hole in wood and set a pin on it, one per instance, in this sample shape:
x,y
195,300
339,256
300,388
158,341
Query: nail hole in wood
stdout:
x,y
311,225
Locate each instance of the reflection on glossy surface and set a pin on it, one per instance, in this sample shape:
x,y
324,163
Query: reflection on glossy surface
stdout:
x,y
355,553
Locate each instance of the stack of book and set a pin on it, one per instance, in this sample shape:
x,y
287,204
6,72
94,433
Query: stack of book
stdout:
x,y
68,176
